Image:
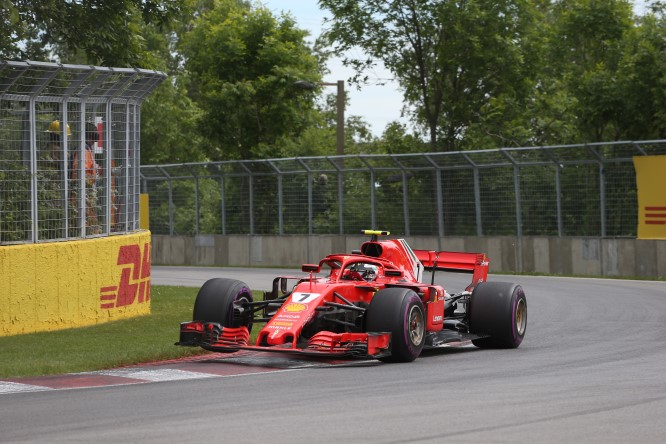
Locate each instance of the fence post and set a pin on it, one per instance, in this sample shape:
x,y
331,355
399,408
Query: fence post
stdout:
x,y
280,206
477,195
405,194
602,197
250,180
440,202
280,199
477,202
134,151
197,206
602,189
519,219
341,194
309,180
310,212
438,194
169,182
33,172
108,168
516,190
558,189
373,202
405,202
223,215
81,173
341,202
250,192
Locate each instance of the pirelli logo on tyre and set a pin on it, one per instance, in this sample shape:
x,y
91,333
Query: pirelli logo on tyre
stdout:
x,y
133,287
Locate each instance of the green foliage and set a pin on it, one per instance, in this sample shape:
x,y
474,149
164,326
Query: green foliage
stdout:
x,y
244,63
396,139
483,74
169,126
476,74
449,57
14,201
96,32
585,42
642,79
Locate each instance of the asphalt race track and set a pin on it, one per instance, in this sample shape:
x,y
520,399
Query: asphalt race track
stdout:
x,y
592,368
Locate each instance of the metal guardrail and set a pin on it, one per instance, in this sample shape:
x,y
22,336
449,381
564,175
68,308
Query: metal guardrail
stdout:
x,y
565,190
69,150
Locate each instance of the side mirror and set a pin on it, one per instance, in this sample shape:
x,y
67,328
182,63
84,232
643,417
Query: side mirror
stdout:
x,y
310,268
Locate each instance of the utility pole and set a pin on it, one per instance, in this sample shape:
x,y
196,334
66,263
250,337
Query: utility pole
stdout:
x,y
340,104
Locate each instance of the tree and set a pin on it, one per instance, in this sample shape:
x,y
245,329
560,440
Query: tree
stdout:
x,y
169,117
642,78
19,38
396,140
584,52
243,63
97,32
451,58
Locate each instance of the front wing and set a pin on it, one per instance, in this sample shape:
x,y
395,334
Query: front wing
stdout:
x,y
214,337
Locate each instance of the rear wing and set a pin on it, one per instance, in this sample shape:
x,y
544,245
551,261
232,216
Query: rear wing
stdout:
x,y
474,263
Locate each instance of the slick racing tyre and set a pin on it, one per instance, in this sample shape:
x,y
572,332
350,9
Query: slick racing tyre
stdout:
x,y
400,312
215,302
499,310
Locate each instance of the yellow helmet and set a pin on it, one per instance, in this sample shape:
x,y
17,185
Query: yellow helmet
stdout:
x,y
54,128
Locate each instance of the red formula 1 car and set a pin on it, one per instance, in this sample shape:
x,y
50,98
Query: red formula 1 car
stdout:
x,y
370,303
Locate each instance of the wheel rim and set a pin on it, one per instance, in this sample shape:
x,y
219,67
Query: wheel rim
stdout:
x,y
416,325
521,317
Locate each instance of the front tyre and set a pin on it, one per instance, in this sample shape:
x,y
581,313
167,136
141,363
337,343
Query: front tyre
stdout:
x,y
216,299
400,312
499,310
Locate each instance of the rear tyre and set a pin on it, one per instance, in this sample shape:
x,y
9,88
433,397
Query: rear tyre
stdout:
x,y
400,312
498,309
215,302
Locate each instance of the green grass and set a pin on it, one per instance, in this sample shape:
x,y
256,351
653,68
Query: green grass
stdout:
x,y
113,344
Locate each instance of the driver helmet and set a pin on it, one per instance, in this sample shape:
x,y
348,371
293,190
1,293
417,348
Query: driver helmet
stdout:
x,y
369,272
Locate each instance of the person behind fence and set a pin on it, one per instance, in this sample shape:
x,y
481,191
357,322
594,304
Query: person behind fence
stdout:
x,y
92,177
51,181
53,154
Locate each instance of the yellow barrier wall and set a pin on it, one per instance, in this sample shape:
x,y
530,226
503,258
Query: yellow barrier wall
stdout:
x,y
57,285
651,184
144,212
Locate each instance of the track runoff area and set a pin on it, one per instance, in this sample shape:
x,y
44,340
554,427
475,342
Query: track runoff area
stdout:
x,y
213,365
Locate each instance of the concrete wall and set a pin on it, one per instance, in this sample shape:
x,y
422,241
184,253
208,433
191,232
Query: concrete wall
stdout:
x,y
551,255
57,285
